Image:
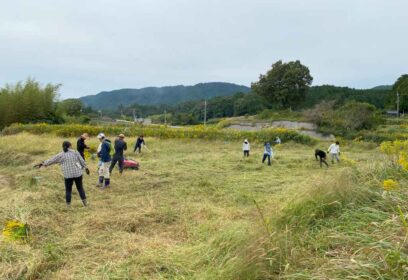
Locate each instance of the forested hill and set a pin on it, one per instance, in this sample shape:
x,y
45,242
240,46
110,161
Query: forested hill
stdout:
x,y
384,87
170,95
378,96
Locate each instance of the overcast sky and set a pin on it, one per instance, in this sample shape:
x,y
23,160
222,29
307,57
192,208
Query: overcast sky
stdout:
x,y
91,46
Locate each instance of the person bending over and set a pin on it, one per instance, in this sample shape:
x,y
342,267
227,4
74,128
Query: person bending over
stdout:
x,y
321,155
139,143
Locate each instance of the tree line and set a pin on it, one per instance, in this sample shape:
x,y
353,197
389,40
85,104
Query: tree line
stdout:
x,y
285,86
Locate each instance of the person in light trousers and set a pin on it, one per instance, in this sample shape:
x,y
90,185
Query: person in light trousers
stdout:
x,y
334,151
104,161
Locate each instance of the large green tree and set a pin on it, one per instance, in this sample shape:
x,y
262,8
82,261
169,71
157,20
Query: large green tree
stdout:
x,y
72,106
401,87
285,85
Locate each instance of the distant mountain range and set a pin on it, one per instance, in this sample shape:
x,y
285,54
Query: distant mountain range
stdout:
x,y
160,95
384,87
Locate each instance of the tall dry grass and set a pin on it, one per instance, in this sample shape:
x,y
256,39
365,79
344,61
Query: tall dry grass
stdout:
x,y
198,210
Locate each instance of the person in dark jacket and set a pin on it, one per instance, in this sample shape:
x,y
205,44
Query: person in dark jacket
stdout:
x,y
105,160
120,147
321,155
81,146
139,143
72,165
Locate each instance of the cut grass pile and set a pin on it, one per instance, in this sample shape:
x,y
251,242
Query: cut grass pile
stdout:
x,y
198,210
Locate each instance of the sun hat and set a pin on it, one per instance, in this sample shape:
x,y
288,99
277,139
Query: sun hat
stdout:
x,y
101,136
121,135
85,135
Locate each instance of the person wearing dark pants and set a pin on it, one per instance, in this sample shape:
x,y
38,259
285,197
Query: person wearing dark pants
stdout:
x,y
68,189
267,153
246,148
321,155
81,146
139,143
72,165
120,147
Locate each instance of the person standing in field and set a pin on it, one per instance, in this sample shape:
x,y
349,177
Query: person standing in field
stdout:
x,y
334,151
139,143
246,148
72,165
120,146
81,146
105,159
278,140
268,153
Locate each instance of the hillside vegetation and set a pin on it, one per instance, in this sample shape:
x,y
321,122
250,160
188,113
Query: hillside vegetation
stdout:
x,y
198,210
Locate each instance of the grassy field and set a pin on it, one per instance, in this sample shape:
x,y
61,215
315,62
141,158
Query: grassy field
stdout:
x,y
198,210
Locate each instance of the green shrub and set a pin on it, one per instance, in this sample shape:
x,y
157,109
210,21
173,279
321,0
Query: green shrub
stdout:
x,y
347,120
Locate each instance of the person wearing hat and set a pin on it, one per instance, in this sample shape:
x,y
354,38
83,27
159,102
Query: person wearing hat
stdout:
x,y
105,160
120,147
246,148
81,146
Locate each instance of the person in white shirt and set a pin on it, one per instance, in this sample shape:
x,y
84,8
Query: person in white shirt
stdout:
x,y
278,140
334,151
246,148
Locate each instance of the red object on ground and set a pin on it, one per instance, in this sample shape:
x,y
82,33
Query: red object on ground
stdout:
x,y
131,164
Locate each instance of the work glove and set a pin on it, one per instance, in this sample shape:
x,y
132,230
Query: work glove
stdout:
x,y
87,171
39,165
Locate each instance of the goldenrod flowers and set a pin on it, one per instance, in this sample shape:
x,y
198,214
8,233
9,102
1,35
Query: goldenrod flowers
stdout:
x,y
390,185
15,230
397,151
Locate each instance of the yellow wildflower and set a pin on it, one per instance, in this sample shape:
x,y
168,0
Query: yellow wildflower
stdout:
x,y
390,184
15,230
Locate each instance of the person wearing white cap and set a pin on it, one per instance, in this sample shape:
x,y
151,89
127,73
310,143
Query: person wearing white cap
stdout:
x,y
246,148
105,159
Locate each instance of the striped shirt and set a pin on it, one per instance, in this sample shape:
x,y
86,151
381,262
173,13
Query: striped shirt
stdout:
x,y
71,163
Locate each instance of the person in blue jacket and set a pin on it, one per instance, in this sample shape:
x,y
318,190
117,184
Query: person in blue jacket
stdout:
x,y
105,160
268,153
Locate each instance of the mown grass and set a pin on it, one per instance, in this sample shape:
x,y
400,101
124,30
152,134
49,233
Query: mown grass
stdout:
x,y
198,210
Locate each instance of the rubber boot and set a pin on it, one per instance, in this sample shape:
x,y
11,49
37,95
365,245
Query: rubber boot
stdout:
x,y
107,183
100,182
84,202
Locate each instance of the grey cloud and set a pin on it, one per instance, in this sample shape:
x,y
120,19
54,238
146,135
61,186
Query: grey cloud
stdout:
x,y
90,46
